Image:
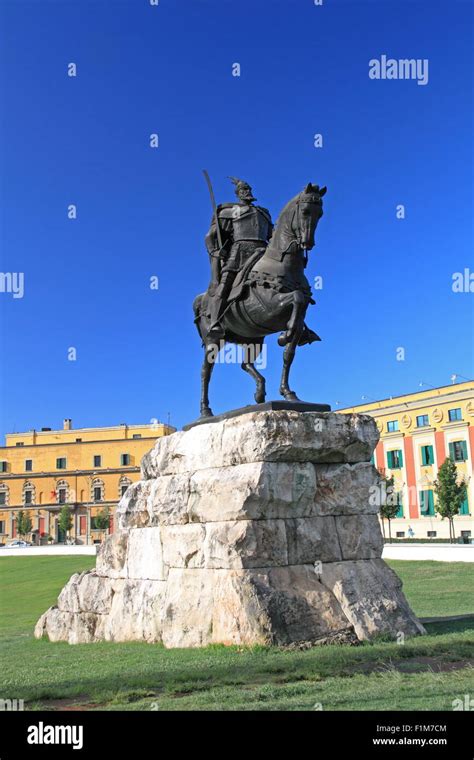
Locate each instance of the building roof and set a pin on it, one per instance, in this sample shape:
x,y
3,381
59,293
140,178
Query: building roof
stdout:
x,y
423,396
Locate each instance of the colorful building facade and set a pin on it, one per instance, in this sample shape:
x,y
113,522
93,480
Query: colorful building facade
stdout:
x,y
418,432
88,469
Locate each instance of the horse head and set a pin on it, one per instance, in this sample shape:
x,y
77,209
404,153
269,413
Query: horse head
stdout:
x,y
308,210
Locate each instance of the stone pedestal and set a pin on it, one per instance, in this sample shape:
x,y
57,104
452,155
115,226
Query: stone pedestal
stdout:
x,y
260,528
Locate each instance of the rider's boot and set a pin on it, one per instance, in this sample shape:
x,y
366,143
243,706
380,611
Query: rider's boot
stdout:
x,y
218,301
215,331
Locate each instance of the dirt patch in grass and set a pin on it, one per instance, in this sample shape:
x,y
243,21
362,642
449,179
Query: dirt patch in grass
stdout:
x,y
414,665
73,704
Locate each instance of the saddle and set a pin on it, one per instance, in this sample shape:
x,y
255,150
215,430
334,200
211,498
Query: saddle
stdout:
x,y
241,279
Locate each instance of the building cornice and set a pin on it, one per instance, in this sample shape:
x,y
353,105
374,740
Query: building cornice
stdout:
x,y
455,425
60,474
79,443
69,431
389,406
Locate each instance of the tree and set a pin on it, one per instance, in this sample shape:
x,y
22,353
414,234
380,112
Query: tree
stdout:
x,y
23,523
65,519
102,519
451,493
389,504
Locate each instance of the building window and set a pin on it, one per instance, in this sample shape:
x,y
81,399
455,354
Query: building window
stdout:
x,y
2,526
464,510
400,534
62,490
98,490
124,483
455,414
431,534
137,435
20,443
427,503
3,466
61,463
78,440
28,465
3,498
427,455
458,451
422,420
394,459
28,493
399,500
465,534
392,426
97,460
124,460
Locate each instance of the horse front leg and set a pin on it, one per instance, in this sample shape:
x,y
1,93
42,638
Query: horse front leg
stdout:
x,y
299,304
288,356
206,372
248,366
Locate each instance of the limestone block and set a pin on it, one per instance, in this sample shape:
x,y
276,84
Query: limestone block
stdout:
x,y
300,607
183,545
136,613
346,489
246,544
132,509
312,539
112,554
255,490
359,536
145,554
264,436
188,608
371,597
75,628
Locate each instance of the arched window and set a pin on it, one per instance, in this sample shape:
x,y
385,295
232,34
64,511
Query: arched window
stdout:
x,y
62,492
98,490
4,495
124,483
29,494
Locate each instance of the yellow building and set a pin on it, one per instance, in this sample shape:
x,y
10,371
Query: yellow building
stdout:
x,y
417,432
88,469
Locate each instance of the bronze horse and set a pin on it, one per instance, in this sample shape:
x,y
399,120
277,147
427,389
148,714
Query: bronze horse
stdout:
x,y
270,294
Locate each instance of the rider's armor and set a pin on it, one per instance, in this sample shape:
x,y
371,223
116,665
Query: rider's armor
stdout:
x,y
243,228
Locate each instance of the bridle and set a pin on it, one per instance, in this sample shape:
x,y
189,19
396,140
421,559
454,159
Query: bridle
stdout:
x,y
302,198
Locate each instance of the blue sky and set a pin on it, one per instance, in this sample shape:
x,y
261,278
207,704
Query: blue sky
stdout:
x,y
387,282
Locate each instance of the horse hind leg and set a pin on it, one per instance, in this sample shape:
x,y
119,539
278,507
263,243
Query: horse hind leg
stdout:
x,y
206,373
249,367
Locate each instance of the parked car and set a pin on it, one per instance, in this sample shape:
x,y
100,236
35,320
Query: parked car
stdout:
x,y
18,544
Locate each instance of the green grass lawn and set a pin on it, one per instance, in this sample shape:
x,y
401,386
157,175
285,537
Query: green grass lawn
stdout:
x,y
426,673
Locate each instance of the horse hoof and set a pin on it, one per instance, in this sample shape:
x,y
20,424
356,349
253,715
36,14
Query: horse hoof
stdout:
x,y
259,397
206,411
290,396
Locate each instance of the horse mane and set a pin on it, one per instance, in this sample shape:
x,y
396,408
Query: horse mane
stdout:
x,y
284,210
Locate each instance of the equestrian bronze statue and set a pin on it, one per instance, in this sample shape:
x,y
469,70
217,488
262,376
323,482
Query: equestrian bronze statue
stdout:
x,y
258,286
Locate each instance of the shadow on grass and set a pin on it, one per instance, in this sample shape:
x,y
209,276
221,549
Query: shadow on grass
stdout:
x,y
450,626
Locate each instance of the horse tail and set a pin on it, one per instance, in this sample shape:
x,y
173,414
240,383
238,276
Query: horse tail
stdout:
x,y
197,305
197,309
